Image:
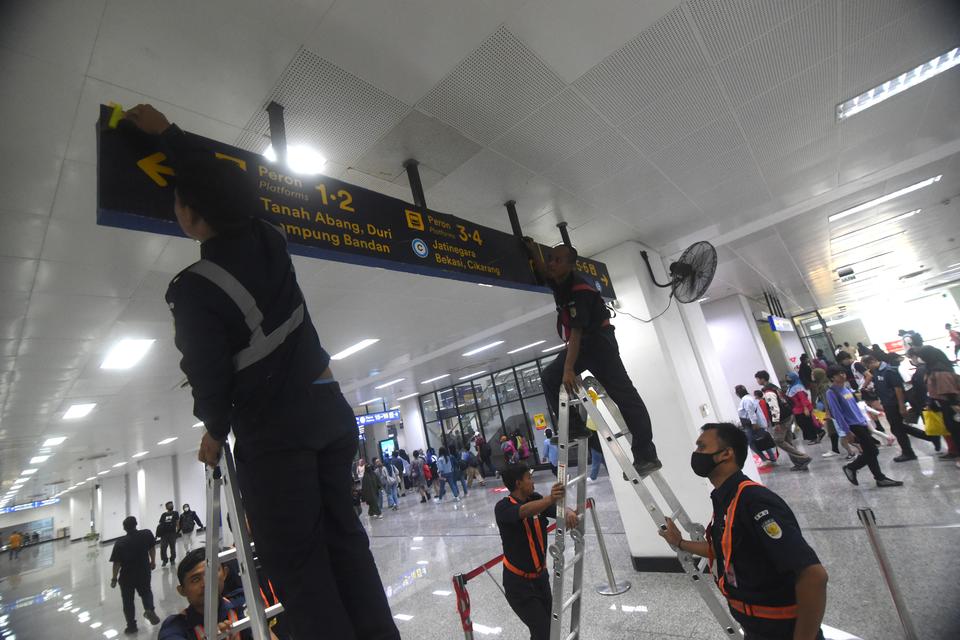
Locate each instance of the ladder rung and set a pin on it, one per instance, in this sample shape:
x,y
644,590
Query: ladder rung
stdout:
x,y
229,554
573,598
244,623
573,562
573,634
576,479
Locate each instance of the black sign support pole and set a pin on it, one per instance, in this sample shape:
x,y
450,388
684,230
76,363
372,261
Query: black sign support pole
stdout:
x,y
766,297
416,187
563,233
511,206
278,131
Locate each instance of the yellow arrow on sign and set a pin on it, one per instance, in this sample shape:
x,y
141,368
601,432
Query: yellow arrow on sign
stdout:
x,y
222,156
606,280
154,170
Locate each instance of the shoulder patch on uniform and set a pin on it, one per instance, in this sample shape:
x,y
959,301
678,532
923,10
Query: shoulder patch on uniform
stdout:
x,y
573,312
772,529
765,512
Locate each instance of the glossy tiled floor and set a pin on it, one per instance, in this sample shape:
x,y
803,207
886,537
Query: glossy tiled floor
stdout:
x,y
421,546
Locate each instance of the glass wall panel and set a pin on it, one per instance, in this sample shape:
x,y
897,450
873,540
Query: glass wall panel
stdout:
x,y
529,376
452,432
506,386
434,436
466,400
492,424
447,400
537,406
545,362
470,427
428,407
486,396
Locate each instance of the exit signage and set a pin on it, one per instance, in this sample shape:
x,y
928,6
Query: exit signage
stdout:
x,y
382,416
30,505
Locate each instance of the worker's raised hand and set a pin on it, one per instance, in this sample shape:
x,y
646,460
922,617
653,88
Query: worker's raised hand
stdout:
x,y
571,519
209,453
146,118
570,381
557,491
670,533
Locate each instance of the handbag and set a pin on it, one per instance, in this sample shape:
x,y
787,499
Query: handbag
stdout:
x,y
933,424
763,440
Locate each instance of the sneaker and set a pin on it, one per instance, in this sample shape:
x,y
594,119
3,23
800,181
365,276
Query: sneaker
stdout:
x,y
131,631
851,456
164,563
820,436
436,499
936,444
947,456
904,458
456,498
887,482
800,467
379,516
646,467
829,454
152,616
851,474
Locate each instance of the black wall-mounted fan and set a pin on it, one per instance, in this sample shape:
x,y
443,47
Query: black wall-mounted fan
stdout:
x,y
691,275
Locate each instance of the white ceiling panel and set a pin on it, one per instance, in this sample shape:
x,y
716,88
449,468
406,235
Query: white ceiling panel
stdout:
x,y
940,123
561,127
519,80
86,279
87,243
28,179
728,25
734,199
641,180
31,27
13,311
17,274
860,18
76,197
404,48
573,36
796,185
326,107
714,170
435,145
594,164
781,53
649,66
70,317
700,147
22,234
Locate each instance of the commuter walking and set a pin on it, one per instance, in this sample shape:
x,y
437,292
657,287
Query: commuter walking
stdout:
x,y
445,469
802,407
781,416
943,390
167,530
15,544
459,469
550,451
753,424
888,383
134,557
485,453
391,482
583,323
804,371
370,487
188,520
818,395
852,426
256,367
596,457
418,476
773,581
509,451
471,468
954,338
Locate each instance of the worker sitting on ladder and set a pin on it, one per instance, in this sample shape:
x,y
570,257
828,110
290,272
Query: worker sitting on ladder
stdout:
x,y
522,520
583,322
188,624
774,583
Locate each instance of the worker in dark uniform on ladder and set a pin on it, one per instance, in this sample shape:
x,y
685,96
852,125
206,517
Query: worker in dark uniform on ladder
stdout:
x,y
773,581
522,520
583,322
253,359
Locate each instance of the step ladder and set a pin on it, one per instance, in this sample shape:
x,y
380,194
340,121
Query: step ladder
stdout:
x,y
589,395
257,618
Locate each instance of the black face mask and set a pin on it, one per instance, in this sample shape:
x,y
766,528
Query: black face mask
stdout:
x,y
703,463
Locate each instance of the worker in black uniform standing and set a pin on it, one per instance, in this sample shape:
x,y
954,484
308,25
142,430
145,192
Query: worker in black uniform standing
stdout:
x,y
256,367
583,322
773,581
134,557
522,520
167,530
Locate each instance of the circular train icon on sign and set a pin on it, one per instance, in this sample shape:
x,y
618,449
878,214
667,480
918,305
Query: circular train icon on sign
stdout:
x,y
420,248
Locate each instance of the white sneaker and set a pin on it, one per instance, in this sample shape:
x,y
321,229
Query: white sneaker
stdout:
x,y
456,498
829,454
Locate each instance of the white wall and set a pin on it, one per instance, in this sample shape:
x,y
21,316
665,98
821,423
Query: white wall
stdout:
x,y
81,505
157,488
192,481
412,436
673,366
60,513
737,340
113,507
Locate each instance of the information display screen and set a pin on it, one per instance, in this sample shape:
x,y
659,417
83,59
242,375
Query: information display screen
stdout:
x,y
323,217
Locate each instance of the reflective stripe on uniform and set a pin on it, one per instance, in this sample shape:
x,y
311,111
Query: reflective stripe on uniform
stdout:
x,y
538,568
260,345
788,612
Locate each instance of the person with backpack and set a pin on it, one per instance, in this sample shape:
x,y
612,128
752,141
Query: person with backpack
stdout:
x,y
391,482
445,467
403,472
754,425
803,408
781,419
459,468
188,520
419,476
485,453
509,451
472,468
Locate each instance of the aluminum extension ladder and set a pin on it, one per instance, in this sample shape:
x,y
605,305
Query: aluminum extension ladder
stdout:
x,y
695,567
257,618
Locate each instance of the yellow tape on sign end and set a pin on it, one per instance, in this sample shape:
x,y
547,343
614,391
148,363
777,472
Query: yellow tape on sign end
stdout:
x,y
115,116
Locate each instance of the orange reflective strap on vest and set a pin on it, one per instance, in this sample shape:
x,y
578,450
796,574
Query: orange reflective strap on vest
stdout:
x,y
232,617
788,612
537,566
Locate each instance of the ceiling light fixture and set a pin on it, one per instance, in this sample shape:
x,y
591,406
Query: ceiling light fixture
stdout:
x,y
901,83
349,351
139,454
472,375
409,395
526,346
483,348
553,348
483,284
869,242
847,266
197,425
389,384
104,472
300,158
126,354
28,472
77,411
902,216
370,401
890,196
53,442
167,440
39,459
446,375
118,465
394,407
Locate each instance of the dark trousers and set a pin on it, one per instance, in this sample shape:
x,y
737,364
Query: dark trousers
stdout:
x,y
903,431
601,356
806,425
869,456
750,635
531,601
127,590
311,541
168,541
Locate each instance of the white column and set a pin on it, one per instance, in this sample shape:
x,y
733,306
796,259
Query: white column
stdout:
x,y
672,365
113,507
413,430
81,505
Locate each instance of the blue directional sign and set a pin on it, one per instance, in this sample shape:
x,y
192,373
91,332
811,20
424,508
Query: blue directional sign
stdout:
x,y
382,416
30,505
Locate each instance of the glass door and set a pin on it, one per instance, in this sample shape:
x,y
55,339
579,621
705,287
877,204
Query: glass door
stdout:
x,y
813,333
